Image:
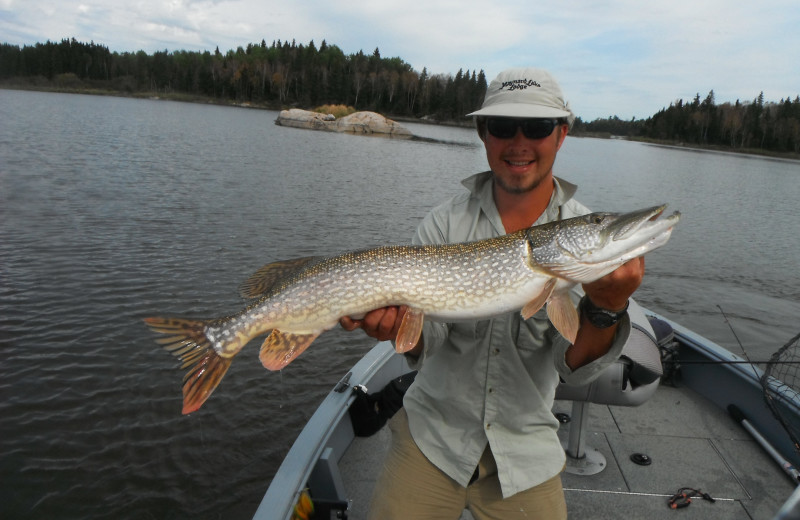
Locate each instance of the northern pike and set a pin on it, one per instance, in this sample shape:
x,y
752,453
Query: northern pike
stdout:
x,y
301,298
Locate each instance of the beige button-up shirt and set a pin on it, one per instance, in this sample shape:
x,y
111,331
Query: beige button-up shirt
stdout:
x,y
494,380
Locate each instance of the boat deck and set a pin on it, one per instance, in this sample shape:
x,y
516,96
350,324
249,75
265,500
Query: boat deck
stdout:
x,y
690,441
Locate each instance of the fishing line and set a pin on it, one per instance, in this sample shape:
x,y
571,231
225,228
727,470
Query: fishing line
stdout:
x,y
730,325
738,362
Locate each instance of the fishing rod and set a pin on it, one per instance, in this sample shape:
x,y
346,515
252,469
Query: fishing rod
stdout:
x,y
737,362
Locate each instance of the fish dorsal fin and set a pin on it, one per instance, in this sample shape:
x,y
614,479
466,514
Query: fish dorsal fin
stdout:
x,y
537,303
280,348
410,330
264,279
563,315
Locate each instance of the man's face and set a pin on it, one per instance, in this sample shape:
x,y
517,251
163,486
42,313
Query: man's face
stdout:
x,y
520,164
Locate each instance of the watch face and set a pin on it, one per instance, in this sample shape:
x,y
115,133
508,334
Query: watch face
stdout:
x,y
600,318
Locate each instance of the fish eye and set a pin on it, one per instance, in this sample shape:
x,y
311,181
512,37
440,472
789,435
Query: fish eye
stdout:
x,y
597,219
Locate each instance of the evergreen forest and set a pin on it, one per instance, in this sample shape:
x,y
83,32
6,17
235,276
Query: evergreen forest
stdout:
x,y
284,74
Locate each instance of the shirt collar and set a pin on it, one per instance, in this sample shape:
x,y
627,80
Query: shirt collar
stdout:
x,y
480,186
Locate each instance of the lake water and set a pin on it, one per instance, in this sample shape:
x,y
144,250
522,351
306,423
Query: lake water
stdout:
x,y
113,209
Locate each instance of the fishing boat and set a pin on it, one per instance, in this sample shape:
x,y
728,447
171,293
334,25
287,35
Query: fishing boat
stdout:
x,y
699,438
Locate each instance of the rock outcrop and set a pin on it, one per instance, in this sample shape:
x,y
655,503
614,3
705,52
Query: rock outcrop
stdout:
x,y
363,123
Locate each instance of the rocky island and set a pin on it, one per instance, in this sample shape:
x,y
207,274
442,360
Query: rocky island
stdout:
x,y
360,123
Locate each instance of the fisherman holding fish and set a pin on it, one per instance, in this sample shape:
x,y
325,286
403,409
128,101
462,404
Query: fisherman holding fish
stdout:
x,y
477,430
483,304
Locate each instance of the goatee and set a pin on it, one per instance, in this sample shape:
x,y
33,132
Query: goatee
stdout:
x,y
517,189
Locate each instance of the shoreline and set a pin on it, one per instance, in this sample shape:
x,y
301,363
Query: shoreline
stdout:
x,y
698,149
187,98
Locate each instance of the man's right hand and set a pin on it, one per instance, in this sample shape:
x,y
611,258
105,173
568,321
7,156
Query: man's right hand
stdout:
x,y
381,324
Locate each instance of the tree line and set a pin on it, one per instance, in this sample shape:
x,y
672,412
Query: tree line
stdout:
x,y
754,125
285,74
277,75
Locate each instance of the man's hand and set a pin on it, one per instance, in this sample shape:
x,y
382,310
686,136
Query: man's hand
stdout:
x,y
381,324
613,290
609,292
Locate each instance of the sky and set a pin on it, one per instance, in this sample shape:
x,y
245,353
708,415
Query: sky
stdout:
x,y
624,58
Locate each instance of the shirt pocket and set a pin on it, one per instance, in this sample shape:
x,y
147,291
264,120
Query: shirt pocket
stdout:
x,y
468,332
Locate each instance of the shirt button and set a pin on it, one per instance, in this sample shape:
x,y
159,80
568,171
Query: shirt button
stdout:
x,y
488,425
496,351
491,390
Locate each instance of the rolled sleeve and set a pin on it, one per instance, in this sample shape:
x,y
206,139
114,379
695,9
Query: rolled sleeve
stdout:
x,y
590,371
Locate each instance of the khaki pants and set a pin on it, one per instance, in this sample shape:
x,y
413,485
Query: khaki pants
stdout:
x,y
410,487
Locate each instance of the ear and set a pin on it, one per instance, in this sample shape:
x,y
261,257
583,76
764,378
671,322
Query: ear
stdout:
x,y
480,126
563,130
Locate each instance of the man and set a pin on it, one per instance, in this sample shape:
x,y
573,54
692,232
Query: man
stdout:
x,y
476,430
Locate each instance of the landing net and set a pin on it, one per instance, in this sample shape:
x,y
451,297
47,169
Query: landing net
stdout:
x,y
781,384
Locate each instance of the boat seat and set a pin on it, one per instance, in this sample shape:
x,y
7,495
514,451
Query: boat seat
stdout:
x,y
630,381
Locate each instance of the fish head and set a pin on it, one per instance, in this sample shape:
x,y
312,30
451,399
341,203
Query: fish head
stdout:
x,y
583,249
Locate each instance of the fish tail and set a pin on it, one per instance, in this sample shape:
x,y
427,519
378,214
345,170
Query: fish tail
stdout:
x,y
187,340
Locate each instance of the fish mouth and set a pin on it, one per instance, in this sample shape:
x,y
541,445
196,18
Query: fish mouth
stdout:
x,y
639,232
645,221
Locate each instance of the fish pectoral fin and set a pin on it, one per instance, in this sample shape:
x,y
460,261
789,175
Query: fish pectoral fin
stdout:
x,y
280,348
563,315
264,279
186,340
533,306
410,330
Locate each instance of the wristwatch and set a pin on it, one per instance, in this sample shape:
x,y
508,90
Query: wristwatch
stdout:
x,y
599,317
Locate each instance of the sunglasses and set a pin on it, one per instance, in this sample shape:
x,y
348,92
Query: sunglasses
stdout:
x,y
506,128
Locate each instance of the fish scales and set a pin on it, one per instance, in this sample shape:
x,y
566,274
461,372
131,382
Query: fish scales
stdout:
x,y
299,299
433,279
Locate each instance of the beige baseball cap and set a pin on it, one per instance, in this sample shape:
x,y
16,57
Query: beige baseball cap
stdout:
x,y
525,93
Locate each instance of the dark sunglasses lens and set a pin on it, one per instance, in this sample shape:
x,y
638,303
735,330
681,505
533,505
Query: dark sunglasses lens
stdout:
x,y
502,128
531,128
537,128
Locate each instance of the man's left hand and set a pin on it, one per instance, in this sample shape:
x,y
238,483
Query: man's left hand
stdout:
x,y
613,290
